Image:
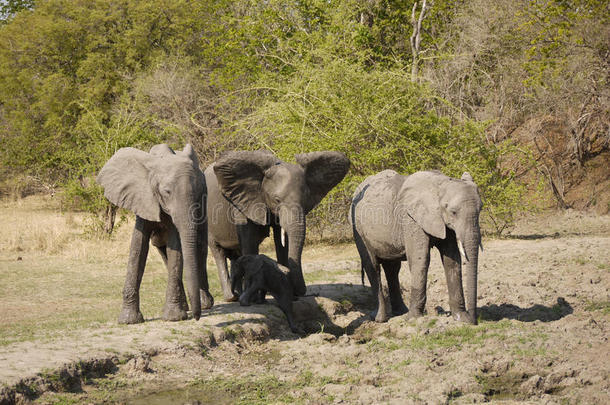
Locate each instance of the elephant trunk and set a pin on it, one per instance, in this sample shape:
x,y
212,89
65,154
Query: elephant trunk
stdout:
x,y
293,222
188,241
470,246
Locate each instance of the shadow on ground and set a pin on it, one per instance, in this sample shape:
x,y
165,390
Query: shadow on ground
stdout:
x,y
534,236
332,308
536,312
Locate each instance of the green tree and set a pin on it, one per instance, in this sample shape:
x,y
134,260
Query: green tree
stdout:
x,y
381,120
64,82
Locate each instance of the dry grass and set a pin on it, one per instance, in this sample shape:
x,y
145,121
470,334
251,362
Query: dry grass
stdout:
x,y
29,226
56,277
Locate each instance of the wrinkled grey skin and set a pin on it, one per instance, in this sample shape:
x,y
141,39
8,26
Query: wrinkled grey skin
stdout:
x,y
396,218
250,192
166,190
261,274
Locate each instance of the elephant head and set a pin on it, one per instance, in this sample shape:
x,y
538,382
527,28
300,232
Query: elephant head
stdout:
x,y
253,263
437,202
263,187
160,183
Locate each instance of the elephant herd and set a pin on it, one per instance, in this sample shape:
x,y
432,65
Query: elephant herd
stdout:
x,y
232,206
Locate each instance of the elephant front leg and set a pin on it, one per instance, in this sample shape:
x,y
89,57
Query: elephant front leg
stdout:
x,y
175,297
183,303
130,312
418,256
246,296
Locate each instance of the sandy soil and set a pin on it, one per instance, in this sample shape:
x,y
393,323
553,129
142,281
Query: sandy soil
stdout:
x,y
544,304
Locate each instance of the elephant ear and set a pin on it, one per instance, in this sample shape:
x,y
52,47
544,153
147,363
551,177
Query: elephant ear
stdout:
x,y
467,177
125,178
323,171
240,176
419,194
189,152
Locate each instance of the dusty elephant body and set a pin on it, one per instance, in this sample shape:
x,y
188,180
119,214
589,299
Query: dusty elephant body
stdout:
x,y
251,192
260,273
396,218
166,190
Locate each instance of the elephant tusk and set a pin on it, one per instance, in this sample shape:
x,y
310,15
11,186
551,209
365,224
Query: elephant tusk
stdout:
x,y
461,249
283,236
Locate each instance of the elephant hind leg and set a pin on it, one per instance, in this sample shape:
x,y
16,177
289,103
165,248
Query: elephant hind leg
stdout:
x,y
418,255
220,258
391,269
370,264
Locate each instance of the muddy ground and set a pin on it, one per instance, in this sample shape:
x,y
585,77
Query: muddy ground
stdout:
x,y
542,338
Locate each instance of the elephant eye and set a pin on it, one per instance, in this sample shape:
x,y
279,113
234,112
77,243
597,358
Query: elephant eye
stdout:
x,y
166,191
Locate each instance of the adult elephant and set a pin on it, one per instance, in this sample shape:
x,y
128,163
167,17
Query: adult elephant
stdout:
x,y
250,192
166,190
396,218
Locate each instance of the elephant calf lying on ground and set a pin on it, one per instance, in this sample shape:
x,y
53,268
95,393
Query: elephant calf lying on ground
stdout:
x,y
260,273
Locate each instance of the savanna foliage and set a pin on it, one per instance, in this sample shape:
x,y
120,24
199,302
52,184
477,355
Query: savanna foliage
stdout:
x,y
81,78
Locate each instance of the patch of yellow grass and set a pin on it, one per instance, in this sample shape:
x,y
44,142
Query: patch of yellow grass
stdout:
x,y
37,224
30,228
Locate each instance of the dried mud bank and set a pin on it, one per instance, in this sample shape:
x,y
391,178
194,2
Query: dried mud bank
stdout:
x,y
544,300
131,353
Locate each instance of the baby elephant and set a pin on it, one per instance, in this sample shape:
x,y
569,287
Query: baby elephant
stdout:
x,y
261,274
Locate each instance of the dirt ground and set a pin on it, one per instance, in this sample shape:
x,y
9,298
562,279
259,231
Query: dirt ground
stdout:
x,y
542,338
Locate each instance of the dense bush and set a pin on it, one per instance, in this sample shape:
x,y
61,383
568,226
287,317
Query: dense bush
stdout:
x,y
80,79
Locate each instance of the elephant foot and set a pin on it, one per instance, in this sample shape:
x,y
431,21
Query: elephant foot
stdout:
x,y
207,301
244,303
130,316
414,313
174,313
230,298
400,309
260,300
464,316
379,316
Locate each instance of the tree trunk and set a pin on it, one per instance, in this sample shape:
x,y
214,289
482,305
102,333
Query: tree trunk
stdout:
x,y
416,37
